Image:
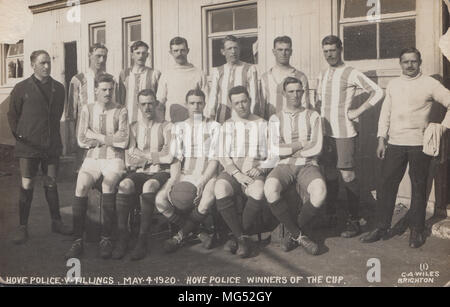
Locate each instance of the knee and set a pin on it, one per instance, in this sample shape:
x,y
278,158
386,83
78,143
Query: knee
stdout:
x,y
151,186
272,190
256,190
27,183
109,183
126,186
222,189
318,192
161,201
348,176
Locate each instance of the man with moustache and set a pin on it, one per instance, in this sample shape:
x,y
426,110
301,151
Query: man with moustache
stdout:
x,y
404,118
335,92
233,73
81,92
135,79
272,98
35,110
178,80
104,131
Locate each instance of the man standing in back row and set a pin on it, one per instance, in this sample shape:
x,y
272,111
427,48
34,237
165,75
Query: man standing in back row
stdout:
x,y
178,80
336,91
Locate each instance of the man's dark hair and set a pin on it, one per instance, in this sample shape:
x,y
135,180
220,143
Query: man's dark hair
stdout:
x,y
230,38
291,80
332,40
138,44
146,93
178,41
97,46
238,90
282,39
103,78
411,50
195,92
37,53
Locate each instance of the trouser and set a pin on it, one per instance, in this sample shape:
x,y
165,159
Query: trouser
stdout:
x,y
392,171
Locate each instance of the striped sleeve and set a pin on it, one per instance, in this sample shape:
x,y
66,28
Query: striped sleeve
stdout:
x,y
252,79
213,99
226,138
305,100
134,157
83,127
156,76
121,137
314,146
215,141
72,99
165,155
161,95
176,143
363,82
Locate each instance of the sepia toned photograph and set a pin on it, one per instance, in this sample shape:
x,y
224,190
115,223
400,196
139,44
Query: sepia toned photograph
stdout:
x,y
242,144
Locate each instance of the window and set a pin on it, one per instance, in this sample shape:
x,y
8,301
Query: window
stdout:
x,y
384,39
238,20
14,62
97,33
131,33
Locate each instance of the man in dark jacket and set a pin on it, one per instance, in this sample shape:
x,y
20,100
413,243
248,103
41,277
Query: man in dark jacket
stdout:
x,y
35,110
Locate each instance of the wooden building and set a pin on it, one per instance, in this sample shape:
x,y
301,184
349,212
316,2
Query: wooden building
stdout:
x,y
372,40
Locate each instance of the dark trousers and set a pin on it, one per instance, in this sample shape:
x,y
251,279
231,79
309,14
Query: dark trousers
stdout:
x,y
392,171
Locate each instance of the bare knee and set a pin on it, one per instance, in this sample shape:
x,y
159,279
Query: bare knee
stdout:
x,y
150,186
126,186
256,190
272,190
84,184
348,176
109,183
49,182
161,201
27,183
222,189
317,190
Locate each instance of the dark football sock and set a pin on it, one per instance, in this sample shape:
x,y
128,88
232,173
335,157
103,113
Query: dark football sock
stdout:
x,y
147,209
123,206
108,204
251,211
192,222
51,194
177,219
79,210
332,196
25,198
352,189
229,213
306,215
280,209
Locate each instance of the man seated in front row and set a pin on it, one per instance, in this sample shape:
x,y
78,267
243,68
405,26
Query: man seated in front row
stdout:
x,y
149,158
194,142
244,142
104,131
295,136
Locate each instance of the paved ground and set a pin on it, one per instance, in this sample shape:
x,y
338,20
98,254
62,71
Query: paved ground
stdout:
x,y
343,262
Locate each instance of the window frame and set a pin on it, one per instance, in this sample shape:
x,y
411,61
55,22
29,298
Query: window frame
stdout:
x,y
383,18
126,44
208,36
94,27
5,80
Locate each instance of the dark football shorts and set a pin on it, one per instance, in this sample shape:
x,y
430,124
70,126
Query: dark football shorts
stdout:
x,y
139,179
338,153
29,166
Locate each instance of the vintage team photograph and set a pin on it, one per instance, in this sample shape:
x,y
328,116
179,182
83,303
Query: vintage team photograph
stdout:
x,y
244,144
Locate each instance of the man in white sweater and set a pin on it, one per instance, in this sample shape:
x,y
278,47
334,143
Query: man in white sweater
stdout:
x,y
403,120
177,81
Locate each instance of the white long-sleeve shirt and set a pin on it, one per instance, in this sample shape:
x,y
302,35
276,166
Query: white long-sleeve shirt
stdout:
x,y
406,109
